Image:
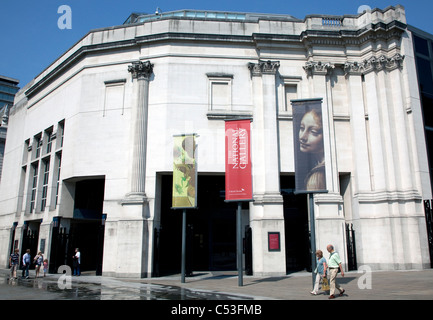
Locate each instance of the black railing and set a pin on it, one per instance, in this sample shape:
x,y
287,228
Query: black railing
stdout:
x,y
248,250
429,223
351,247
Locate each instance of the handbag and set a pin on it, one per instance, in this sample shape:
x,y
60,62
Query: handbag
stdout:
x,y
325,284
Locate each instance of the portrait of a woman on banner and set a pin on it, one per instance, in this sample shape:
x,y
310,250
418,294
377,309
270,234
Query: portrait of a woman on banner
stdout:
x,y
309,147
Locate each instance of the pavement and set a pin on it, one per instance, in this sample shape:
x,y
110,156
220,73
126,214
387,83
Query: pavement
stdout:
x,y
358,285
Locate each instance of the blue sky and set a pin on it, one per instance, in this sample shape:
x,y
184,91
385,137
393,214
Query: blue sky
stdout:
x,y
31,40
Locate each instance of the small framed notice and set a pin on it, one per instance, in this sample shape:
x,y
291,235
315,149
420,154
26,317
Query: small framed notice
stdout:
x,y
274,241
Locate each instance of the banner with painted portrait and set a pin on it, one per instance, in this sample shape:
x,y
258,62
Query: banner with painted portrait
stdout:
x,y
310,173
184,172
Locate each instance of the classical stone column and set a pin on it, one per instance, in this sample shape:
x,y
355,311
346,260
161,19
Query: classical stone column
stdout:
x,y
141,72
266,212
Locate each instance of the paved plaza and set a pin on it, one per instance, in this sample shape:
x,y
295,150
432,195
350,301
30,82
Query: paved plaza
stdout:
x,y
359,285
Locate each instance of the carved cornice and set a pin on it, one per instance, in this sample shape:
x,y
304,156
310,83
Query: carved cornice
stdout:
x,y
318,67
374,64
141,70
263,67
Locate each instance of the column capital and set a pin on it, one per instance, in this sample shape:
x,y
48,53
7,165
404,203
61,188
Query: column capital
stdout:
x,y
374,64
318,67
141,69
263,67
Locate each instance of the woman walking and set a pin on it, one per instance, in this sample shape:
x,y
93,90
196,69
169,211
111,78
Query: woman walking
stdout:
x,y
320,271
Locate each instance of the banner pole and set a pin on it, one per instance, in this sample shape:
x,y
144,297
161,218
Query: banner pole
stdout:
x,y
239,244
183,245
312,237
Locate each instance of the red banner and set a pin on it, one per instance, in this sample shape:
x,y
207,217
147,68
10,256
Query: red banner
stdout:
x,y
238,161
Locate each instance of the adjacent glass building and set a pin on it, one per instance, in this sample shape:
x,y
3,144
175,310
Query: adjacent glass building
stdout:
x,y
8,89
424,62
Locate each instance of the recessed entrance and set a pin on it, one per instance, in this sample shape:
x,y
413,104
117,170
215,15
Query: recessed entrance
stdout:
x,y
296,226
211,229
84,231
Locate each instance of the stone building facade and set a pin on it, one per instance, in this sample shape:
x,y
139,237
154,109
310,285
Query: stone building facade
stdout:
x,y
88,159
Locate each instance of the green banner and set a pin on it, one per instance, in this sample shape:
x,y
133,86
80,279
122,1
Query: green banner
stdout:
x,y
184,172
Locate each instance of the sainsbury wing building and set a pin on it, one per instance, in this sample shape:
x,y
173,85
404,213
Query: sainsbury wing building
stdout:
x,y
88,160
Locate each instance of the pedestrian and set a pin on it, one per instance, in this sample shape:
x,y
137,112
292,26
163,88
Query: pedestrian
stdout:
x,y
334,263
45,266
38,260
76,261
320,271
14,261
26,264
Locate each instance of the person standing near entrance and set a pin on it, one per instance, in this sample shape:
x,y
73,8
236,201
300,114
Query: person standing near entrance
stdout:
x,y
76,262
14,261
334,263
26,264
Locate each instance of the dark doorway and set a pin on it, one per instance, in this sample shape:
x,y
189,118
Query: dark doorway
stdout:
x,y
30,239
85,231
89,198
211,238
296,226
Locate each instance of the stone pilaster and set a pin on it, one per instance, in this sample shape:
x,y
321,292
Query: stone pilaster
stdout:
x,y
127,237
328,207
266,212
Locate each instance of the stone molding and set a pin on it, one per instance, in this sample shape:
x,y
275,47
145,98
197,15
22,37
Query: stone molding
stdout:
x,y
267,198
388,196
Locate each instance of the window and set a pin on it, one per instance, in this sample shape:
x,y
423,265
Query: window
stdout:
x,y
60,134
34,186
425,75
220,96
38,158
38,146
26,151
21,190
49,140
291,93
220,92
421,45
46,173
58,167
114,96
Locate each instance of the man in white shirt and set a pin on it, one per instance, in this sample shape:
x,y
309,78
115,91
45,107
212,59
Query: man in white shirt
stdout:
x,y
76,262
